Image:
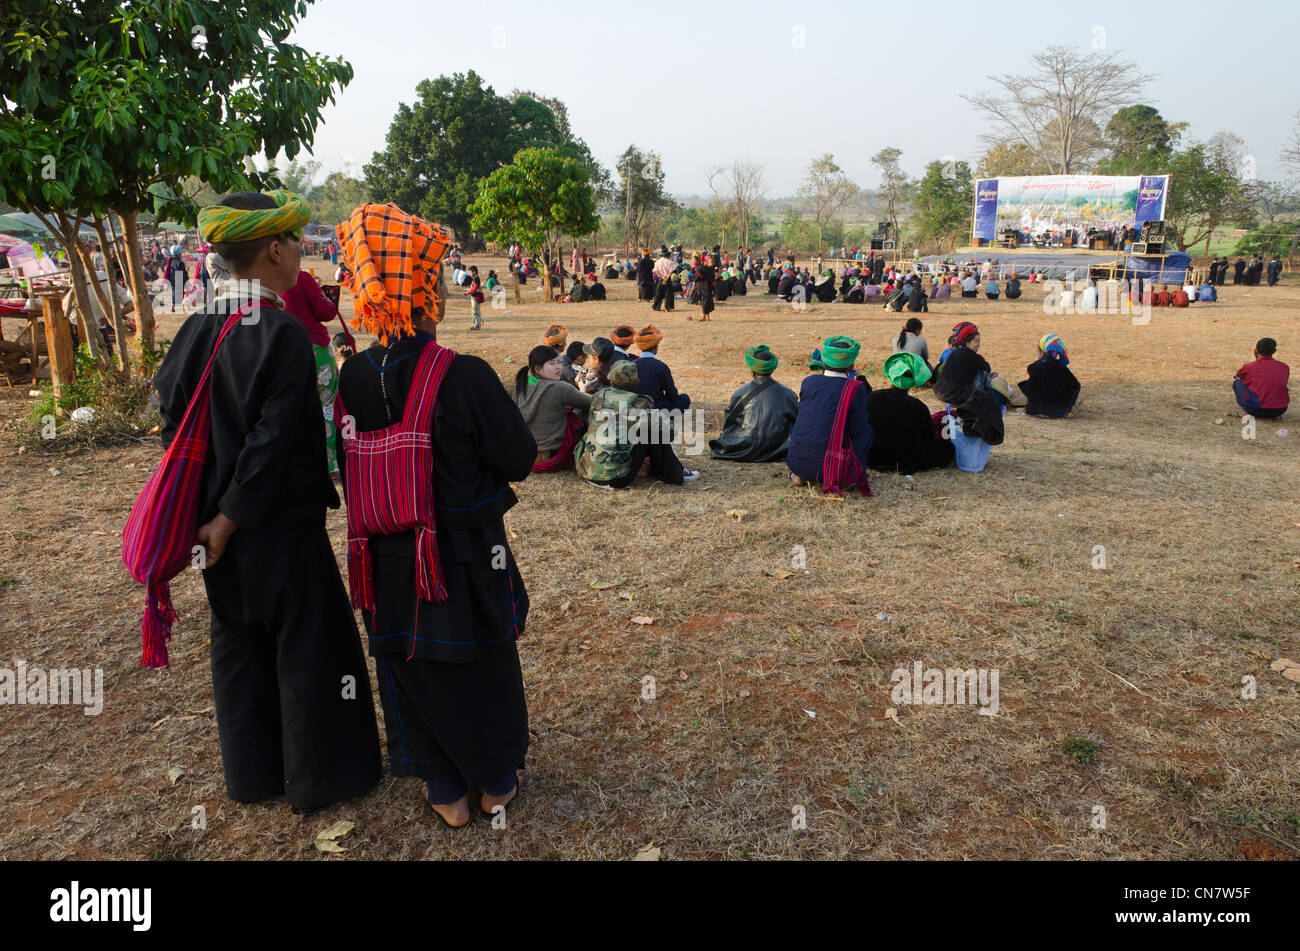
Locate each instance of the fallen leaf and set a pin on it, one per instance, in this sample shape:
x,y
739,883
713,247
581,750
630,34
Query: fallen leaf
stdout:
x,y
174,774
606,585
1219,421
743,693
1284,664
892,714
649,853
337,830
642,619
564,608
778,573
161,722
328,845
738,514
625,595
1292,673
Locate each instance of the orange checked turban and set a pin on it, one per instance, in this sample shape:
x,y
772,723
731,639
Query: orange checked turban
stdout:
x,y
395,260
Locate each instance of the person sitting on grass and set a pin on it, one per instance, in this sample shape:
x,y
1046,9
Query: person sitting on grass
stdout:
x,y
910,340
621,435
623,337
654,379
555,337
1261,385
903,426
1051,389
1013,287
992,289
571,360
759,417
819,397
554,411
595,375
965,382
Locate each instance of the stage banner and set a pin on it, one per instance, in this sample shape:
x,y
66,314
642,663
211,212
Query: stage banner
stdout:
x,y
986,209
1151,199
1044,207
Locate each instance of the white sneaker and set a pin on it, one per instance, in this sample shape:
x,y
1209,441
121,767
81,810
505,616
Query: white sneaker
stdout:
x,y
689,475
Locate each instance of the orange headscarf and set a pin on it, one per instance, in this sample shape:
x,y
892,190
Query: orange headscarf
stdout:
x,y
623,339
395,259
555,336
649,336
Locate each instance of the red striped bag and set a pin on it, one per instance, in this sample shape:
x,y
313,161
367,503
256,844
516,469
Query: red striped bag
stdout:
x,y
388,484
841,470
159,533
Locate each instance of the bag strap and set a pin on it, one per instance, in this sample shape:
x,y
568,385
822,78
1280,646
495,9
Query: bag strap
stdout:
x,y
435,360
842,413
199,397
739,408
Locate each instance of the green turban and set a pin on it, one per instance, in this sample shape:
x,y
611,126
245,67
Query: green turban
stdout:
x,y
839,352
221,224
906,370
761,359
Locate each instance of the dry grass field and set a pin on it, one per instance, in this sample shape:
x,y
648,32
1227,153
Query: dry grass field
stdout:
x,y
1145,659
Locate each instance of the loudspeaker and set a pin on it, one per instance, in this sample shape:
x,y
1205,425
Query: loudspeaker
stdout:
x,y
1153,229
1155,245
1139,247
877,244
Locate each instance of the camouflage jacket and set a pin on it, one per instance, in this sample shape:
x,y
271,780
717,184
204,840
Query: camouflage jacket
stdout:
x,y
605,451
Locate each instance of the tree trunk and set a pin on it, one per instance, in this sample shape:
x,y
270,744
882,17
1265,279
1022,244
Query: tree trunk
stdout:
x,y
81,293
115,310
135,275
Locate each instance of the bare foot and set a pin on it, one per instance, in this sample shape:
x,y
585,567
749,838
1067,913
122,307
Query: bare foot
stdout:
x,y
487,803
795,479
455,814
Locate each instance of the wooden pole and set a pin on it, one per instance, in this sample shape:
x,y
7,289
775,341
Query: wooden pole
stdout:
x,y
58,342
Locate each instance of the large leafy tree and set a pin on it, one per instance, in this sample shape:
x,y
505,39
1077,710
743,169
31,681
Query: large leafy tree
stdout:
x,y
1140,142
105,103
538,198
1205,191
456,133
943,199
826,190
1009,159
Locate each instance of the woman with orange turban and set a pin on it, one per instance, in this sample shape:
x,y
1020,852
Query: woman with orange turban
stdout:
x,y
426,473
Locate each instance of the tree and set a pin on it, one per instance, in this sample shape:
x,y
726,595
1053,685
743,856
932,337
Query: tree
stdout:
x,y
1205,192
568,143
1058,108
1140,142
538,198
1291,151
1009,159
641,196
334,200
826,189
454,135
440,147
944,198
101,110
720,211
746,182
893,182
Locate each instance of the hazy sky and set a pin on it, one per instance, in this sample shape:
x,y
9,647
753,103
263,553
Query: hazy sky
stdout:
x,y
785,82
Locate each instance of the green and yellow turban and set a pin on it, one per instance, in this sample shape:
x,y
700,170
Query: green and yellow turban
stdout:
x,y
839,352
906,370
220,224
761,359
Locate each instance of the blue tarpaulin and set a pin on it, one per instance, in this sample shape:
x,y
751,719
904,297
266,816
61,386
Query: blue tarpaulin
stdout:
x,y
1170,269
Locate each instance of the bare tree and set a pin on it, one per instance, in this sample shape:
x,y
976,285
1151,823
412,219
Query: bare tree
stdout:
x,y
1291,151
746,181
893,182
826,189
721,209
1060,108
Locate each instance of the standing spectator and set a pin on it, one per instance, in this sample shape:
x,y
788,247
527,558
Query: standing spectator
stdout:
x,y
475,294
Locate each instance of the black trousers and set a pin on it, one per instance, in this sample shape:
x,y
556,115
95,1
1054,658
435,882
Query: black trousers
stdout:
x,y
663,463
664,295
643,291
289,679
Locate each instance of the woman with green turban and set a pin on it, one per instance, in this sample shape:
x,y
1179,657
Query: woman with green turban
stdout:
x,y
904,427
759,417
819,398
